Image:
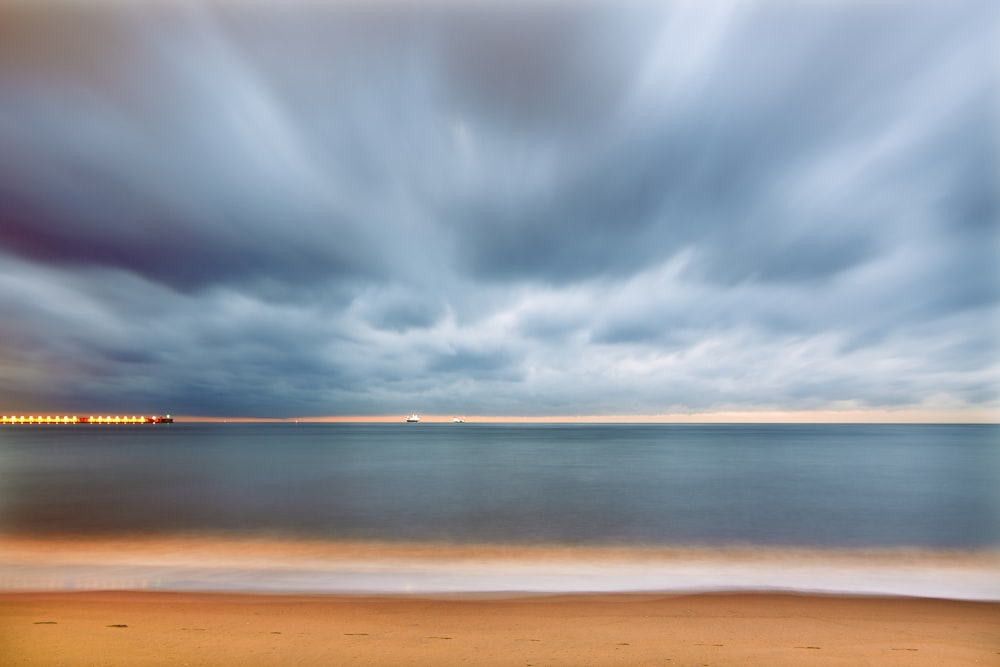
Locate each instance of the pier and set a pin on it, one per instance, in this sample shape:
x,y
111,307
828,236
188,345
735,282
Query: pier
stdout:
x,y
92,419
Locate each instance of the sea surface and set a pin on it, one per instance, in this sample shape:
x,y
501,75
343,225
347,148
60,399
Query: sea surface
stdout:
x,y
666,496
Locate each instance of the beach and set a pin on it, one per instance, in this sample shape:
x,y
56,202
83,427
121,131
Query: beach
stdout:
x,y
187,601
179,628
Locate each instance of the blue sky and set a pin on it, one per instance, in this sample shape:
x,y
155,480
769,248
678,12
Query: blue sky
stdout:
x,y
317,208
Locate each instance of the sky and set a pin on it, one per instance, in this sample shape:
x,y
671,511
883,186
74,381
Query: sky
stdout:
x,y
254,209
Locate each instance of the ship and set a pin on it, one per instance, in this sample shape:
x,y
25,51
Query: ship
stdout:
x,y
413,419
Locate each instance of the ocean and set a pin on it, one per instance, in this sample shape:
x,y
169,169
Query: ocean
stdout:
x,y
462,507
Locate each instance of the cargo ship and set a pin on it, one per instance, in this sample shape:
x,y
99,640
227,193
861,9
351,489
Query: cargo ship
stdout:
x,y
92,419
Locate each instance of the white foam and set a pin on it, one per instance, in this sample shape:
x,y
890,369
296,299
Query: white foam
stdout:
x,y
972,579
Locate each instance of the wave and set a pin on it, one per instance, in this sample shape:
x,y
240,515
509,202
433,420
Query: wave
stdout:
x,y
277,565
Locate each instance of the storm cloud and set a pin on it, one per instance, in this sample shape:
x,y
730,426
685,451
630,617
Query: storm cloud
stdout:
x,y
278,210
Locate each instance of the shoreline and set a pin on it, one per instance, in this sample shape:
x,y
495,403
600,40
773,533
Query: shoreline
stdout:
x,y
153,628
302,566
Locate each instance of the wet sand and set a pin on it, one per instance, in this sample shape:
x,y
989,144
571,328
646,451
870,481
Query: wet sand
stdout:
x,y
177,628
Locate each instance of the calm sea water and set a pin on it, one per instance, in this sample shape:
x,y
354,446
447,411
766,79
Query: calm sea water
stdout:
x,y
817,486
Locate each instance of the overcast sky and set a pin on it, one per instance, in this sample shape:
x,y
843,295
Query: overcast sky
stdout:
x,y
273,210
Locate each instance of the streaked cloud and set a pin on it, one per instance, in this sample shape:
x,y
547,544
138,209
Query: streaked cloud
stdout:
x,y
568,208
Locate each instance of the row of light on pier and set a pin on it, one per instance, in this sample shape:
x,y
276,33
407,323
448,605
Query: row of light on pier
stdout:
x,y
66,419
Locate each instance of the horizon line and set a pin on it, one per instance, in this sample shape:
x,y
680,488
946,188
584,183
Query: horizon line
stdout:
x,y
720,417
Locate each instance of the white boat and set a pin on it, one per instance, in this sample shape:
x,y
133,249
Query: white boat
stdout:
x,y
413,419
458,420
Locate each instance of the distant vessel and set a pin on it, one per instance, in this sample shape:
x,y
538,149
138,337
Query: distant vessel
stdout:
x,y
459,420
413,419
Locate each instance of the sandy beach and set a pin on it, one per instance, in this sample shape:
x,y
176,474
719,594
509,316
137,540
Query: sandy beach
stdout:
x,y
160,628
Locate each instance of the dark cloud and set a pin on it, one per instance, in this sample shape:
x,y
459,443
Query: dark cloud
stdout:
x,y
477,364
404,315
331,208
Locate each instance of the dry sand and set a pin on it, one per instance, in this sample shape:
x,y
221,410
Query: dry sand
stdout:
x,y
160,628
